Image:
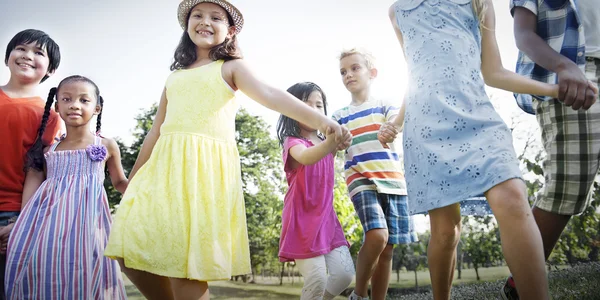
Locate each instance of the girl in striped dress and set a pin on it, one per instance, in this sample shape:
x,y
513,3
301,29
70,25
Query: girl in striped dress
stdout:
x,y
56,247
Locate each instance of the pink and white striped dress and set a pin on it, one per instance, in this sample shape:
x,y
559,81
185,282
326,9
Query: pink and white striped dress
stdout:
x,y
56,247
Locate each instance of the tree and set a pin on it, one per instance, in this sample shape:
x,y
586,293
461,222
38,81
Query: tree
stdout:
x,y
129,154
482,242
262,183
345,210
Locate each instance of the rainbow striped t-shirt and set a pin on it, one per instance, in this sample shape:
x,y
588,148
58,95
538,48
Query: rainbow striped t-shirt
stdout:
x,y
368,165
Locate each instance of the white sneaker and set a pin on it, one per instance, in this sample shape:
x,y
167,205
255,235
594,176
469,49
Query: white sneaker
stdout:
x,y
354,296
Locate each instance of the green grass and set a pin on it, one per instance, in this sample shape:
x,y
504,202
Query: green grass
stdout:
x,y
580,282
269,288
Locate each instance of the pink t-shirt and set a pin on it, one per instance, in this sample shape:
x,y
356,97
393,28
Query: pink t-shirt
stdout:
x,y
310,226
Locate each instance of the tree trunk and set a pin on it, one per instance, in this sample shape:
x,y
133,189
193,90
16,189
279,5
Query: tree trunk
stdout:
x,y
293,274
459,264
282,270
398,274
253,275
416,281
476,271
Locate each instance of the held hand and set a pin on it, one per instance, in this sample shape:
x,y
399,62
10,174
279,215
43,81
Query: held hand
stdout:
x,y
4,235
387,133
573,88
347,140
333,129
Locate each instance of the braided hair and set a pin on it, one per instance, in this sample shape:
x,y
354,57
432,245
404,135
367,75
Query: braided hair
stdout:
x,y
289,127
35,154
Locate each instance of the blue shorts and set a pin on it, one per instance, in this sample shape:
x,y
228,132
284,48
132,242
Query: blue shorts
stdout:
x,y
385,211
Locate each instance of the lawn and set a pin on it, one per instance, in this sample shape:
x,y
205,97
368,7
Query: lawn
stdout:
x,y
269,288
580,282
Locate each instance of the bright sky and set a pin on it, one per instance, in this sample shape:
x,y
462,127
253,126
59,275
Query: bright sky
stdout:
x,y
126,47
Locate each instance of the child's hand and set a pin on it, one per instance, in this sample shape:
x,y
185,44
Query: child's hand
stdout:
x,y
347,141
387,133
331,127
594,88
4,235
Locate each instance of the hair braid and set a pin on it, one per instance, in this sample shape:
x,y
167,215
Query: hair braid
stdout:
x,y
35,155
99,117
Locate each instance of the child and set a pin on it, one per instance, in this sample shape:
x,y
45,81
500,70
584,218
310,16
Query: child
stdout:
x,y
556,51
311,233
182,221
374,177
455,144
31,56
55,250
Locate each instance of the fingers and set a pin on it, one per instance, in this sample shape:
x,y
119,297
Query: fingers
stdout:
x,y
562,91
593,86
580,97
571,94
590,98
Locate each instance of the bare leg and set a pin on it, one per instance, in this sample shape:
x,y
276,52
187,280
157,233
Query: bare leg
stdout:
x,y
441,253
521,240
368,256
152,286
185,289
551,226
381,277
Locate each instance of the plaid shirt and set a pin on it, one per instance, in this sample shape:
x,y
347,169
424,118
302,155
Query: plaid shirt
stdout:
x,y
558,24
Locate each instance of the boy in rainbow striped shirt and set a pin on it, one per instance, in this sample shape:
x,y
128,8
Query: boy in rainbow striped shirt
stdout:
x,y
374,177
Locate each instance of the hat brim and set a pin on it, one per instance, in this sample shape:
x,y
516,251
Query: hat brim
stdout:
x,y
186,6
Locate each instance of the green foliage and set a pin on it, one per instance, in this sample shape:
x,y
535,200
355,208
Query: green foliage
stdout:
x,y
481,241
262,182
129,154
345,210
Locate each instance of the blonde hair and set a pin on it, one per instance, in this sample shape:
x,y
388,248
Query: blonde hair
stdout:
x,y
479,8
369,59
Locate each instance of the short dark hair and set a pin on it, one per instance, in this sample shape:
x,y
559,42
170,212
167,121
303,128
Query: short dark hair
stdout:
x,y
185,54
43,40
287,126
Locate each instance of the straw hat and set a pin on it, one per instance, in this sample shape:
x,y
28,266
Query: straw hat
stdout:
x,y
186,5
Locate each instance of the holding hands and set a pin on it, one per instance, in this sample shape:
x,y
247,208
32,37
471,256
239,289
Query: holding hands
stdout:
x,y
574,89
387,133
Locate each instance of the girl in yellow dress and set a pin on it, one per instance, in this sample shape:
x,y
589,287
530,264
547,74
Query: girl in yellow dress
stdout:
x,y
182,220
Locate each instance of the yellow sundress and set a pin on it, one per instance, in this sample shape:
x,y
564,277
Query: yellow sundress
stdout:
x,y
183,214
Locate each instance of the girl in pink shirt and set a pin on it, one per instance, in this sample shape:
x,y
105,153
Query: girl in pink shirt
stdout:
x,y
311,233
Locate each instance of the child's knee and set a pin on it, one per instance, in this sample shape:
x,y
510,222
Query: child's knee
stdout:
x,y
378,237
387,254
447,237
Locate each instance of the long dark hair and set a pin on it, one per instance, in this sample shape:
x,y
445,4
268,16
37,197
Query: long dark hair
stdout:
x,y
35,155
289,127
185,54
42,40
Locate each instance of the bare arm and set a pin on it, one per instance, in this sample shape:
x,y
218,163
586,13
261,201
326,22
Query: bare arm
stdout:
x,y
152,136
33,180
494,74
574,88
311,155
115,169
280,101
398,120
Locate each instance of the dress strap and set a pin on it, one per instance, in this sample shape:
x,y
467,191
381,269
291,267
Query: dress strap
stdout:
x,y
53,147
97,140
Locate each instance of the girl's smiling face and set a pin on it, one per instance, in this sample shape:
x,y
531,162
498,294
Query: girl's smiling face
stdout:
x,y
208,25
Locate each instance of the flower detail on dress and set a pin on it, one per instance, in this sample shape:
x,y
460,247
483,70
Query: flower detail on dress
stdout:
x,y
96,152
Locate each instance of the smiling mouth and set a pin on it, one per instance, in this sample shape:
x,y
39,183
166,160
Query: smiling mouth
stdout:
x,y
204,32
22,65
